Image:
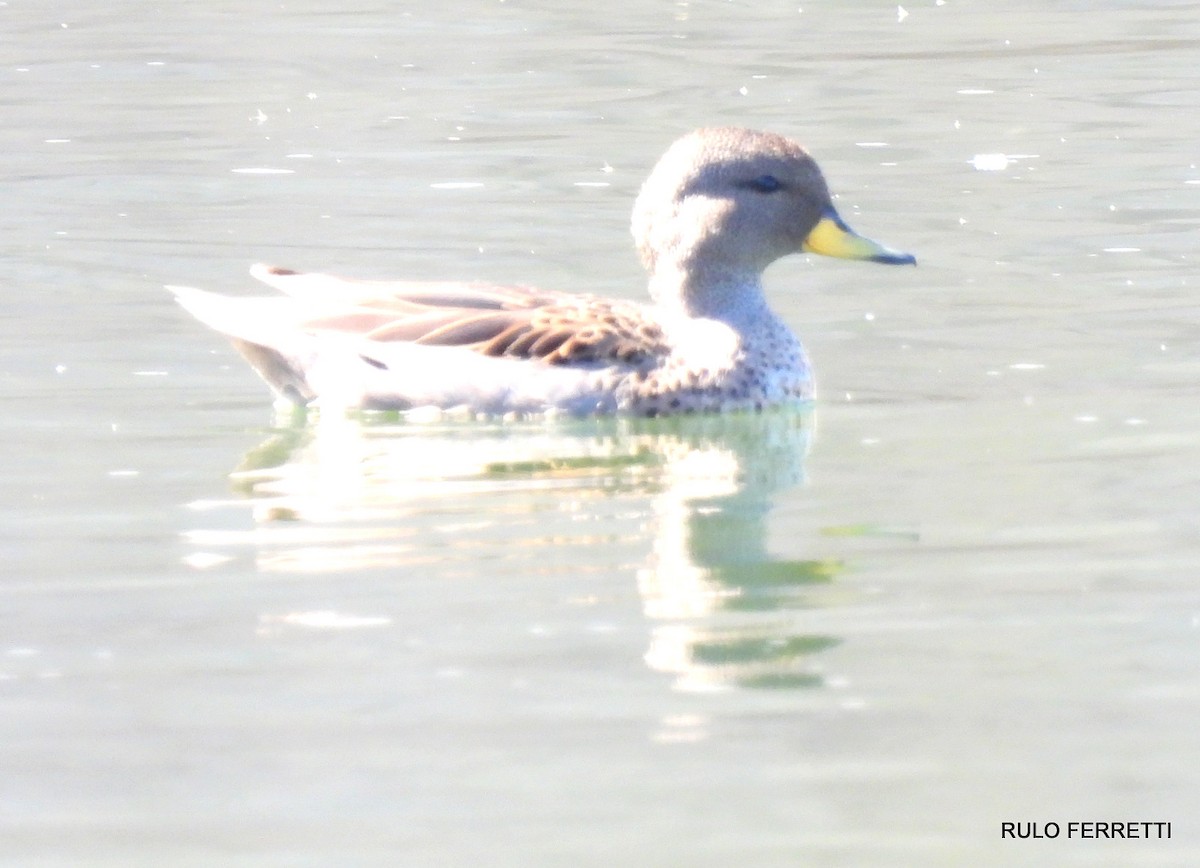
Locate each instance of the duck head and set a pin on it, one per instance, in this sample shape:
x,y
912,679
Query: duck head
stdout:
x,y
728,201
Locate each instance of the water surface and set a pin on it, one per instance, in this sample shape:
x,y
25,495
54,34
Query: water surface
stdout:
x,y
958,591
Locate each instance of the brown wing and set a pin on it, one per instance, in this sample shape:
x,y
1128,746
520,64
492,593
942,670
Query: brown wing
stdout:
x,y
584,330
580,331
513,321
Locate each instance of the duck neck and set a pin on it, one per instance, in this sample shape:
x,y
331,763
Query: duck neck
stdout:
x,y
733,296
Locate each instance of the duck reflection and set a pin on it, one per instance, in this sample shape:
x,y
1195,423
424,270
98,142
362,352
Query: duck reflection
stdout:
x,y
686,499
715,595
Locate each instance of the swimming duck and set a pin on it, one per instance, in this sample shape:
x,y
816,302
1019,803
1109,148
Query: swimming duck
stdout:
x,y
719,207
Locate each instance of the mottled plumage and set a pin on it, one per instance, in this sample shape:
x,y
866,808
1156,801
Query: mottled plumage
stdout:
x,y
720,206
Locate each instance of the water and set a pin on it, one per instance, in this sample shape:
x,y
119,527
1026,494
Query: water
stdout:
x,y
959,592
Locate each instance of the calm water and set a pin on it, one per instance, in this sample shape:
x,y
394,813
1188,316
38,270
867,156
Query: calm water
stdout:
x,y
960,591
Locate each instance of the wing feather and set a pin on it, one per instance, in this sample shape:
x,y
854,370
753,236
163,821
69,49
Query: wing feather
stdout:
x,y
510,321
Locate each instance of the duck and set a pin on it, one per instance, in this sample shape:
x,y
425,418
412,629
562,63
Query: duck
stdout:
x,y
720,205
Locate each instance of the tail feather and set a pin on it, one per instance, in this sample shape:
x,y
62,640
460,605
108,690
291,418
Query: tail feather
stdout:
x,y
259,330
337,368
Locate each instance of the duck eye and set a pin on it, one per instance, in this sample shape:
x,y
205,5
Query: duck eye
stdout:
x,y
765,184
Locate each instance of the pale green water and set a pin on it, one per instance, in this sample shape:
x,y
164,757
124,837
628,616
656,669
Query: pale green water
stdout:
x,y
960,591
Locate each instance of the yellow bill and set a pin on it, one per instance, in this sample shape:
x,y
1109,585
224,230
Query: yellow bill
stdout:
x,y
832,237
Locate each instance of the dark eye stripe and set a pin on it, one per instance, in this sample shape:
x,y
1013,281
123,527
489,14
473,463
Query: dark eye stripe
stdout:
x,y
764,184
